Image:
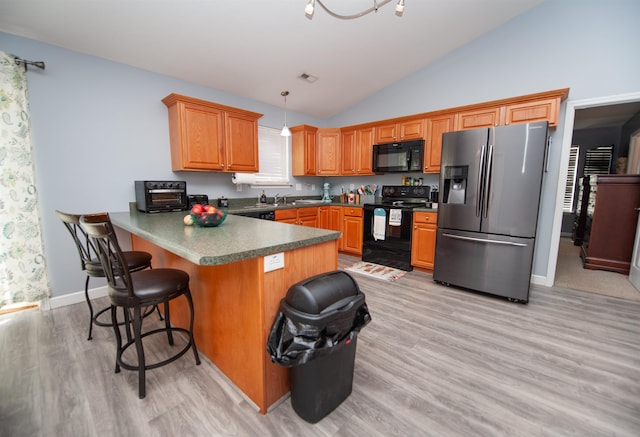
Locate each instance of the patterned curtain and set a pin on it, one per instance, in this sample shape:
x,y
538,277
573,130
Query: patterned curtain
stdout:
x,y
23,276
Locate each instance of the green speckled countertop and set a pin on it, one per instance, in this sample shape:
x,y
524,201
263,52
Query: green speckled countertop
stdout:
x,y
238,238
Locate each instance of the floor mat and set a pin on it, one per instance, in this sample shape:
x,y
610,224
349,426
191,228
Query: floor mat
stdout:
x,y
376,271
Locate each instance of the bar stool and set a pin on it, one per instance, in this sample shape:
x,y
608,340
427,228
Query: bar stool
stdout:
x,y
89,262
134,291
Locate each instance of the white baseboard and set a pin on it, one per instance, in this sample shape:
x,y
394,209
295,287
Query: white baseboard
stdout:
x,y
72,298
540,280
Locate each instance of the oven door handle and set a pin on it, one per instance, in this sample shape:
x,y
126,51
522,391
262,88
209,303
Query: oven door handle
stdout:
x,y
482,240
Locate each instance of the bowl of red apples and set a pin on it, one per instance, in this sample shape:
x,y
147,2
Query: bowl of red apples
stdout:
x,y
205,216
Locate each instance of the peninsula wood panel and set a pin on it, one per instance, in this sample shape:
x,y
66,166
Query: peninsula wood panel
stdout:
x,y
235,305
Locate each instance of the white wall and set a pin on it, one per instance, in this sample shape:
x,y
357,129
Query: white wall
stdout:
x,y
98,125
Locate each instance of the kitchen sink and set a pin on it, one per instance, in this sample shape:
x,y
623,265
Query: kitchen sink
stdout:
x,y
308,201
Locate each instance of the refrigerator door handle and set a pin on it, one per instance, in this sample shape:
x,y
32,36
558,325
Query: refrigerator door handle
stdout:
x,y
479,184
487,181
482,240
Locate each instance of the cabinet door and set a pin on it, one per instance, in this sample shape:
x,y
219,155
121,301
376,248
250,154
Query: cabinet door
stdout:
x,y
436,126
478,118
241,145
423,239
328,151
352,235
386,133
198,143
364,151
287,216
308,217
335,222
324,217
541,110
349,153
352,230
411,130
303,150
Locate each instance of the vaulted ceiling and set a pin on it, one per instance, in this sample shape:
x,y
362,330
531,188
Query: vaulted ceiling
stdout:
x,y
257,48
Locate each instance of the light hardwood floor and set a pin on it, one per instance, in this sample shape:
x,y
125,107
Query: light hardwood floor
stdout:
x,y
434,361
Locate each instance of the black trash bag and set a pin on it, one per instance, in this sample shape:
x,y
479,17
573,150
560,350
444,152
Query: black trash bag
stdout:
x,y
297,337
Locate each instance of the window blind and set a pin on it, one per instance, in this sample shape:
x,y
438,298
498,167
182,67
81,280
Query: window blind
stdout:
x,y
273,155
572,173
598,160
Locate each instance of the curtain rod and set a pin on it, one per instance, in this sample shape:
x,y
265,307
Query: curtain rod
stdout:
x,y
38,64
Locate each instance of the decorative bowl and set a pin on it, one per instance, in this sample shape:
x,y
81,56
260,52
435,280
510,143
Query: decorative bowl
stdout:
x,y
209,219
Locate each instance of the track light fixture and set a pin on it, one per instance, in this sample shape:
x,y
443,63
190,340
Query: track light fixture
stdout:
x,y
310,9
285,130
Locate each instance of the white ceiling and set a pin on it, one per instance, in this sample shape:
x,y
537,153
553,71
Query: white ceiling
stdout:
x,y
257,48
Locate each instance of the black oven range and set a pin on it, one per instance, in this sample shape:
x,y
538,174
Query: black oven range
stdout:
x,y
388,225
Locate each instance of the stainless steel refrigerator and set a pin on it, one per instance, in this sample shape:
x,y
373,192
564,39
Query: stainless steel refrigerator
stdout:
x,y
490,184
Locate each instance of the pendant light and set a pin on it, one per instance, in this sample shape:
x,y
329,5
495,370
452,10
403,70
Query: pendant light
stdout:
x,y
285,130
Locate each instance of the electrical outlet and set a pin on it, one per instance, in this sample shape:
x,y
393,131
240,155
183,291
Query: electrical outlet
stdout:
x,y
298,187
313,187
238,187
352,187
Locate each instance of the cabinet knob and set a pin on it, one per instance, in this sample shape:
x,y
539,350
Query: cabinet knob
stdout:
x,y
222,165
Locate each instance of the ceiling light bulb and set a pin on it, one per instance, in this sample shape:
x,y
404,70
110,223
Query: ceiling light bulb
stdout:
x,y
400,6
308,10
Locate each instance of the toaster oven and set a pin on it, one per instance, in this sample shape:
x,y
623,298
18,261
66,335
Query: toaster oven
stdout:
x,y
161,196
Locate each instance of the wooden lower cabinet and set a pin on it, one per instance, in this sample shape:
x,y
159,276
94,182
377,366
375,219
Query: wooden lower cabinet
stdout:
x,y
352,228
423,239
308,217
298,216
287,216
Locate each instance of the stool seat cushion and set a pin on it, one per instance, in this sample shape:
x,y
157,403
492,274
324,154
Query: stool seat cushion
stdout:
x,y
150,287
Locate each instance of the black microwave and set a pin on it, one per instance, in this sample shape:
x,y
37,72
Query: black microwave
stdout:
x,y
160,196
398,157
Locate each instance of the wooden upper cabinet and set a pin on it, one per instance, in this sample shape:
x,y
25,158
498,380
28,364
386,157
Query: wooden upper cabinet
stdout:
x,y
365,138
536,107
399,131
527,112
206,136
303,150
436,126
328,152
486,117
349,153
357,152
241,142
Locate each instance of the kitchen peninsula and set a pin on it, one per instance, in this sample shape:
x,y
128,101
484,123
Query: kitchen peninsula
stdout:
x,y
235,299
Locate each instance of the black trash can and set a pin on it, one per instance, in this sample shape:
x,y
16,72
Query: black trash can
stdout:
x,y
315,334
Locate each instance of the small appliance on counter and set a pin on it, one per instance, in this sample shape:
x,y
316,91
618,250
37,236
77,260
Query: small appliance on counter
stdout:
x,y
161,196
202,199
223,202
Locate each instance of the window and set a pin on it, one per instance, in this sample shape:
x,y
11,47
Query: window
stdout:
x,y
273,158
598,160
572,173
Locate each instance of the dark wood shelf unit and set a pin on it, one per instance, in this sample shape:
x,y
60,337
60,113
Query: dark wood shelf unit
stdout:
x,y
611,223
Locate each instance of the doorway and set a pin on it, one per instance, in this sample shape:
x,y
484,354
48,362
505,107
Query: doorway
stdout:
x,y
570,118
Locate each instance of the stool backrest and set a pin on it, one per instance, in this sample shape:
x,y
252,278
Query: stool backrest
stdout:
x,y
86,250
105,241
